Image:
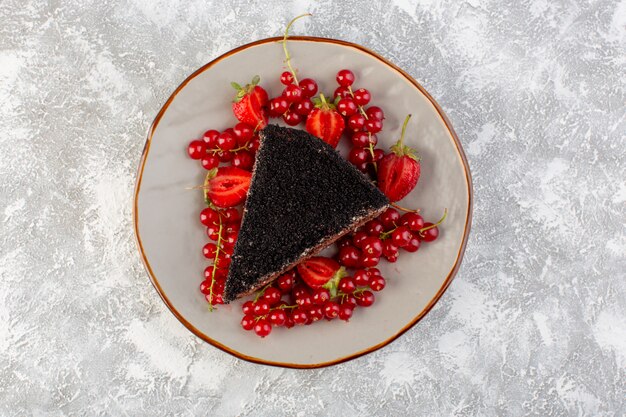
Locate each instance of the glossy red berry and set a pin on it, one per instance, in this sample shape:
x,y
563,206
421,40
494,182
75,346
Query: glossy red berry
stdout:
x,y
358,156
278,106
308,87
320,296
263,328
243,133
342,92
243,159
345,312
349,256
292,118
254,144
210,138
372,247
389,248
226,141
358,238
316,313
361,277
373,125
278,317
272,295
305,301
345,78
401,236
365,299
300,291
356,122
362,97
285,282
413,245
205,286
196,149
261,308
209,250
346,285
347,107
299,316
209,217
368,261
286,78
292,93
248,322
231,215
375,112
378,155
377,283
209,161
224,156
304,107
374,228
248,307
390,218
331,310
431,233
363,139
413,221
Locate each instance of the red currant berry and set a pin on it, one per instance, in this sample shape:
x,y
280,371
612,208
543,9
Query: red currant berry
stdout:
x,y
229,240
378,155
212,231
401,236
358,238
262,328
300,291
320,296
389,218
346,241
374,125
214,298
429,235
373,272
413,221
278,106
345,312
205,286
226,141
292,118
231,215
209,217
345,78
261,308
377,283
391,258
308,87
196,149
210,138
224,156
375,112
292,93
209,250
364,167
368,261
209,162
362,97
389,248
304,107
363,139
372,246
305,301
349,256
299,316
358,156
331,310
243,159
248,307
278,317
272,296
243,133
346,285
254,144
365,299
361,278
288,321
356,122
248,322
349,300
285,282
374,227
347,107
342,92
413,245
316,313
286,78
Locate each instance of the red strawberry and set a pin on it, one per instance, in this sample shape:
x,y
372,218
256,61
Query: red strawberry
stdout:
x,y
399,171
250,104
227,186
317,271
325,122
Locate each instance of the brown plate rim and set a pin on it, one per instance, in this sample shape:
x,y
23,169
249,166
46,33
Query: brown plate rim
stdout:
x,y
417,318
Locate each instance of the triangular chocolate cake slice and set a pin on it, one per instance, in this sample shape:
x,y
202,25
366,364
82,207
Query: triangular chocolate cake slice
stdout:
x,y
303,196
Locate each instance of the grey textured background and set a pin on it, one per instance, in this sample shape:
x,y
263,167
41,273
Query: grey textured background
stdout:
x,y
535,322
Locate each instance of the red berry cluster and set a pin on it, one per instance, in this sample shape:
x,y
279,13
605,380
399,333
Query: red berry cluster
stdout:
x,y
289,302
222,228
294,104
384,237
363,123
236,145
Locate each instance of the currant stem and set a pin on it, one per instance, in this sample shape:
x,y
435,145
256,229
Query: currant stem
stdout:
x,y
369,134
445,214
217,252
406,122
287,56
405,209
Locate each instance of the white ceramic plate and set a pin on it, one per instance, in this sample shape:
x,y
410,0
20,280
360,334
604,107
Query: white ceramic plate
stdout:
x,y
170,237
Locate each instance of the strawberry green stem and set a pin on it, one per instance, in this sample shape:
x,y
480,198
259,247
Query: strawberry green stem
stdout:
x,y
287,56
406,122
445,214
